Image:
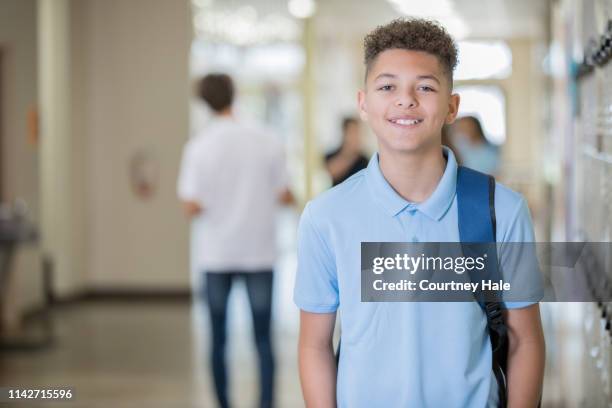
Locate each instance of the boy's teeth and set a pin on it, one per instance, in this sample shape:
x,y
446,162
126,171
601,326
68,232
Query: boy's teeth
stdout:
x,y
406,121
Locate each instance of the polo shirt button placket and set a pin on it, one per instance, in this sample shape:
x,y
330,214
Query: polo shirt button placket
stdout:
x,y
412,210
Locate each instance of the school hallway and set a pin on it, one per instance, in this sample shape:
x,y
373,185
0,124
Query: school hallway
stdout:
x,y
101,256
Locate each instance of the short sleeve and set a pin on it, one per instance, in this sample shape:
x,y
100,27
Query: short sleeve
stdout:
x,y
187,185
518,259
316,283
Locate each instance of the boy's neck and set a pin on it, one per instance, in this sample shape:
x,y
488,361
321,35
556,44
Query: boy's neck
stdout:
x,y
413,176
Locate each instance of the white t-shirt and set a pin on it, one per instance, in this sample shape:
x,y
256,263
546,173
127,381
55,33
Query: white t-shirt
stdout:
x,y
236,172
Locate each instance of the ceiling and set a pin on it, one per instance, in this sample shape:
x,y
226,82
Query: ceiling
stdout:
x,y
483,18
354,18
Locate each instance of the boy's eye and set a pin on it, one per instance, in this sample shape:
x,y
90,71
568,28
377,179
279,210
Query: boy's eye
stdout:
x,y
426,88
385,88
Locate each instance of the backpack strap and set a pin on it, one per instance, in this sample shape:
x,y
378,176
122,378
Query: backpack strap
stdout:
x,y
476,201
477,224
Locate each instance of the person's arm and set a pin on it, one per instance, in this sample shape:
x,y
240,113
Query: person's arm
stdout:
x,y
286,197
192,208
526,351
317,363
189,182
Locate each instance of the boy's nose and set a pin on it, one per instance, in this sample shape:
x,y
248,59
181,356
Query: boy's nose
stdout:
x,y
406,101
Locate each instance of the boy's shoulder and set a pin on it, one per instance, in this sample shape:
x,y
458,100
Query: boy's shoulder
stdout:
x,y
338,199
512,215
347,198
506,198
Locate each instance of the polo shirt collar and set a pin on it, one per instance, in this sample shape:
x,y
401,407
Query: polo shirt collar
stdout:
x,y
436,204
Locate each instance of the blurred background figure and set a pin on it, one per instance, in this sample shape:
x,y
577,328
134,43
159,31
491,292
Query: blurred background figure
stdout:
x,y
233,177
448,141
349,158
472,147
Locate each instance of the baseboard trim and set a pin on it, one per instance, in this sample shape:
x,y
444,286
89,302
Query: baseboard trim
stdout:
x,y
41,312
138,294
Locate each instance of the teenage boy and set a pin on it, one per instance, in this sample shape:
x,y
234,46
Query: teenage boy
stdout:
x,y
407,354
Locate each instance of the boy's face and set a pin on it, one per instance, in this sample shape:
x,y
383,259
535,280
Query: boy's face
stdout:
x,y
407,99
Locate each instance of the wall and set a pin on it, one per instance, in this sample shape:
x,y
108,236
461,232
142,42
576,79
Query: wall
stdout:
x,y
18,45
130,92
19,160
58,171
522,165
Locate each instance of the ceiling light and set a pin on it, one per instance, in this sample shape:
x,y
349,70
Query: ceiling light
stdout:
x,y
431,8
441,10
302,8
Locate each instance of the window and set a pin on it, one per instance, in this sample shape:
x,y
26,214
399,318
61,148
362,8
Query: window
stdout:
x,y
488,104
483,60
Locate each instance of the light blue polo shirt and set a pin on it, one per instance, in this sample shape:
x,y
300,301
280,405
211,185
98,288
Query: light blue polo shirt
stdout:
x,y
399,354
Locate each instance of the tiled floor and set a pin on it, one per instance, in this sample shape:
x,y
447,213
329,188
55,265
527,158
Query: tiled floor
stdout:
x,y
128,354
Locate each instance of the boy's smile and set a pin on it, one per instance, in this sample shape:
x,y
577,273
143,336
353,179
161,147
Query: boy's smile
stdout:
x,y
407,100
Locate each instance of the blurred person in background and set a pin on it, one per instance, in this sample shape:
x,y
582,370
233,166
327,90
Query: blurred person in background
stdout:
x,y
472,147
232,180
347,159
447,140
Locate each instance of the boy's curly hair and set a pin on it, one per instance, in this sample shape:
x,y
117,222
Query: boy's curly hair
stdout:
x,y
414,34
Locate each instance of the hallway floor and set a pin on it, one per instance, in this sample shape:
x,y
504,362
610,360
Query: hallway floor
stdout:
x,y
145,354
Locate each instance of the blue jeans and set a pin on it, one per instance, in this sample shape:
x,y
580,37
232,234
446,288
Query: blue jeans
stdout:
x,y
259,288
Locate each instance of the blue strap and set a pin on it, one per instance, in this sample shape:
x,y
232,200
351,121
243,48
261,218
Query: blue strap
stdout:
x,y
473,203
477,224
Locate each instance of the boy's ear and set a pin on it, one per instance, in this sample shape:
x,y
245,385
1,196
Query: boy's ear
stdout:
x,y
361,105
453,109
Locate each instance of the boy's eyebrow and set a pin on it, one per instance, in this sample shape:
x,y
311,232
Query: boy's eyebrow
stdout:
x,y
387,75
429,77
